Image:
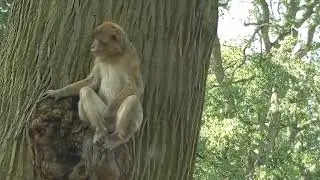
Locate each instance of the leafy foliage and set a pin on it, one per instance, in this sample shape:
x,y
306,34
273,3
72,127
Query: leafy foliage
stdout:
x,y
262,121
238,138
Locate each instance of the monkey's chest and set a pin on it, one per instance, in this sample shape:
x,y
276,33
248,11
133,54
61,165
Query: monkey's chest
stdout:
x,y
111,83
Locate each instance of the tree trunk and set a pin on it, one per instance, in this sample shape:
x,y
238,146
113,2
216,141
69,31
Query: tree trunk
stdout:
x,y
47,46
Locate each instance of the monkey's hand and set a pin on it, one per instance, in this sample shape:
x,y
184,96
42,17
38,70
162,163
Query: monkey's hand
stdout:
x,y
100,142
56,94
109,141
104,143
97,139
109,144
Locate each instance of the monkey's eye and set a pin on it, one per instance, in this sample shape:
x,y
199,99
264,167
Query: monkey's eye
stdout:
x,y
102,42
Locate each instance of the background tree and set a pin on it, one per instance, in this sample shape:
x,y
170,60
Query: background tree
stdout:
x,y
262,122
47,46
278,20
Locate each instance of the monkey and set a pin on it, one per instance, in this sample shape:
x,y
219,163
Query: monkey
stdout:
x,y
110,96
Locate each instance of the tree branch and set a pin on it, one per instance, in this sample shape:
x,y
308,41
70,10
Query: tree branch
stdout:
x,y
291,23
265,29
248,44
308,46
237,81
217,60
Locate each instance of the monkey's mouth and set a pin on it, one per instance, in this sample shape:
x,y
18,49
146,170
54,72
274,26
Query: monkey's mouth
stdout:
x,y
97,52
94,51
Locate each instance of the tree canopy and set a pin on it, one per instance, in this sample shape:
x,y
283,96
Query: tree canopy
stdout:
x,y
262,121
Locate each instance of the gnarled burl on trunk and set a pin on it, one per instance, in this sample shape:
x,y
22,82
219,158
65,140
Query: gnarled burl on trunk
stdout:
x,y
110,109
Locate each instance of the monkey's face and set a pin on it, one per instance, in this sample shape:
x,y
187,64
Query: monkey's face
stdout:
x,y
107,41
98,48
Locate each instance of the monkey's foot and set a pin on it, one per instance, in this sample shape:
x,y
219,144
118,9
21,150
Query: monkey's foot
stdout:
x,y
108,144
99,141
105,143
97,138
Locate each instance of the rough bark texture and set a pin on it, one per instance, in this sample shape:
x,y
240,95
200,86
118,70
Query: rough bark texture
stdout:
x,y
48,47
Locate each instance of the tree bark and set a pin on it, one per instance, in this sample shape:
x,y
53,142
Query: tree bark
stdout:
x,y
47,47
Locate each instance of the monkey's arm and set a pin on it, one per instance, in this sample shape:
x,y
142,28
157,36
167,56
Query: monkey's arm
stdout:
x,y
74,88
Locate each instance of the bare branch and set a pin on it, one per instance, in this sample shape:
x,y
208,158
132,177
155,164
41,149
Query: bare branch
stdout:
x,y
237,81
290,28
308,46
254,24
266,19
200,156
243,80
217,60
311,31
291,19
248,44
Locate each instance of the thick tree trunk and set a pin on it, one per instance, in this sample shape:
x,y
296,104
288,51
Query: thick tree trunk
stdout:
x,y
48,47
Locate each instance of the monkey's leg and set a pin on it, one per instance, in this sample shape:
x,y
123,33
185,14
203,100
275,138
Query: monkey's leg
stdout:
x,y
91,108
128,121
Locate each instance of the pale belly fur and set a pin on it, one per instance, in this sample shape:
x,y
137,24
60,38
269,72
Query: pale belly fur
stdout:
x,y
111,83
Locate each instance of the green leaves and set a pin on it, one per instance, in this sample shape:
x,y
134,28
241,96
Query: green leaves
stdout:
x,y
241,138
237,137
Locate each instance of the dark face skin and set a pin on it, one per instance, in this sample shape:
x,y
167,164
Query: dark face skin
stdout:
x,y
97,48
106,41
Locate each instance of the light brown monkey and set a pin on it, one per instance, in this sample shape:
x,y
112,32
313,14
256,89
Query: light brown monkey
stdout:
x,y
112,90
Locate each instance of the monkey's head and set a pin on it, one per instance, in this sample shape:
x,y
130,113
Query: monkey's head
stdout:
x,y
109,40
